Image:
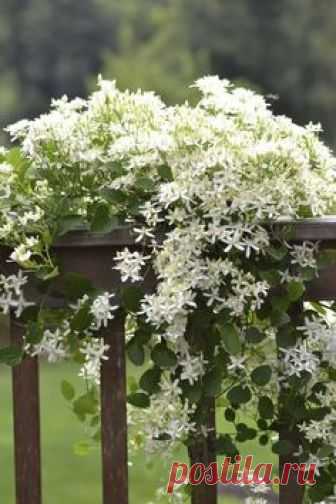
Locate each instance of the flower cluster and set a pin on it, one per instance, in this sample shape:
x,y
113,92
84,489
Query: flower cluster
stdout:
x,y
205,189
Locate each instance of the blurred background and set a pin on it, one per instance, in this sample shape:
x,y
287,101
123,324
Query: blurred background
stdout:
x,y
283,48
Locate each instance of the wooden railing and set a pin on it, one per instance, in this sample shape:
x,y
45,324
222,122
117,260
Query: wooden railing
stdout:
x,y
91,255
113,416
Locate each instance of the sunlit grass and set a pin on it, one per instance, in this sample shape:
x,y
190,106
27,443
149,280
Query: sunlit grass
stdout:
x,y
67,477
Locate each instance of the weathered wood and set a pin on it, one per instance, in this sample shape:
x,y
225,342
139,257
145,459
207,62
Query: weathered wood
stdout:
x,y
313,229
91,254
292,492
203,451
114,416
26,425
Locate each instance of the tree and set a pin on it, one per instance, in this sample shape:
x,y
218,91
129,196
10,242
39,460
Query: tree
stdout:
x,y
157,55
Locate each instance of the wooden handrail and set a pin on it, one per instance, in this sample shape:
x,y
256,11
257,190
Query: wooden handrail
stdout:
x,y
113,379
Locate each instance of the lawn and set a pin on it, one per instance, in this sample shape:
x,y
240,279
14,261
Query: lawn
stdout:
x,y
69,478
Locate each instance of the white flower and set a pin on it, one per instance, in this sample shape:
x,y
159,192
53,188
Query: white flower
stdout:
x,y
193,367
130,265
5,168
12,295
304,255
298,359
102,310
51,346
31,216
21,254
94,351
237,363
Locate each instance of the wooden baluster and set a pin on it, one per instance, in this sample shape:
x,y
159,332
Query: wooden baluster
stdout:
x,y
114,415
291,493
204,451
26,424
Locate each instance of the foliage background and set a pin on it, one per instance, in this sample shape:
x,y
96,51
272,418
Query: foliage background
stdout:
x,y
283,48
51,47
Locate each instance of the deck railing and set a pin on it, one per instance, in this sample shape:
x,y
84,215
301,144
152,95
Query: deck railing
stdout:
x,y
92,255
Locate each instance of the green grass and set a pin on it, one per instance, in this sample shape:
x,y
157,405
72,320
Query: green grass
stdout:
x,y
67,477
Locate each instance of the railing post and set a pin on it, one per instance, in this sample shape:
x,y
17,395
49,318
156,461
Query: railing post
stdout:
x,y
26,424
203,451
292,492
114,415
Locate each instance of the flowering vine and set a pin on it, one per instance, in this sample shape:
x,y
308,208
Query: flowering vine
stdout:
x,y
203,189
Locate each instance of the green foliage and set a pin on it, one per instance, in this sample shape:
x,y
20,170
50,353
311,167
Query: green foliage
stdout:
x,y
239,395
150,380
11,355
163,357
139,399
131,298
265,407
85,405
135,352
231,338
261,375
102,221
68,390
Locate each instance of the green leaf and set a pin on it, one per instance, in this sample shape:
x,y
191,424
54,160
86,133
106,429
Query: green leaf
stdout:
x,y
85,405
82,319
280,303
271,276
286,336
75,285
143,334
264,440
239,395
165,173
283,447
231,338
145,183
11,355
265,407
114,195
34,333
131,298
225,446
278,253
139,399
230,415
279,319
102,220
150,380
325,451
262,424
192,392
261,375
213,383
135,352
47,273
254,335
68,391
295,290
16,158
71,223
307,274
245,433
163,357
